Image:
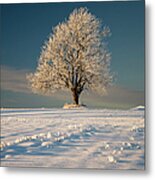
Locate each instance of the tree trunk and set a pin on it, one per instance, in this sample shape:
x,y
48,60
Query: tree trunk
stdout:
x,y
75,96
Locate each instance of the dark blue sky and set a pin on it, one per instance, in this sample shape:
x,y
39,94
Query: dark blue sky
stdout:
x,y
25,27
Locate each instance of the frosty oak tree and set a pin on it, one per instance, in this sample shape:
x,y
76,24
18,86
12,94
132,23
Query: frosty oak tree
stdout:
x,y
74,58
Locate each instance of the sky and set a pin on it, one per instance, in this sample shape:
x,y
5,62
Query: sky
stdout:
x,y
25,27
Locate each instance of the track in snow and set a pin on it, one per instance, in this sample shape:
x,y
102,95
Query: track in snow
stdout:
x,y
84,138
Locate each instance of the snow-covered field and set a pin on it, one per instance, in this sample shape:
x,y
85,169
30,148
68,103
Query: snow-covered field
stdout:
x,y
79,138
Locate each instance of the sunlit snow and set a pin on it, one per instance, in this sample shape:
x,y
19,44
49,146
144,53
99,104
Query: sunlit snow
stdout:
x,y
75,138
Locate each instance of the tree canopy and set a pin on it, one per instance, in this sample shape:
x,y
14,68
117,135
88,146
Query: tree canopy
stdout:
x,y
74,58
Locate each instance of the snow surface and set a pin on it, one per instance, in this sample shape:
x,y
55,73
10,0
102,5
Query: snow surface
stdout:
x,y
73,138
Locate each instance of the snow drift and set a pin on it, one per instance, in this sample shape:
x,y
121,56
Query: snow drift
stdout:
x,y
72,138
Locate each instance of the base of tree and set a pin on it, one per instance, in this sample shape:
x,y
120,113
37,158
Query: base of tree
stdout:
x,y
74,106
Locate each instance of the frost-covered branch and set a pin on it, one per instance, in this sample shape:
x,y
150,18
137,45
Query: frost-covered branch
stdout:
x,y
74,58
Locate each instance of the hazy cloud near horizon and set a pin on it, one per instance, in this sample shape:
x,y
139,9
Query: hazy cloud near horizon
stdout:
x,y
14,81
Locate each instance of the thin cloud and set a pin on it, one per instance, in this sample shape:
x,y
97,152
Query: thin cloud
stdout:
x,y
14,80
116,96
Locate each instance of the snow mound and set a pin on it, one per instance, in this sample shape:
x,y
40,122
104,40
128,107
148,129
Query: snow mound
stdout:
x,y
139,108
74,106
